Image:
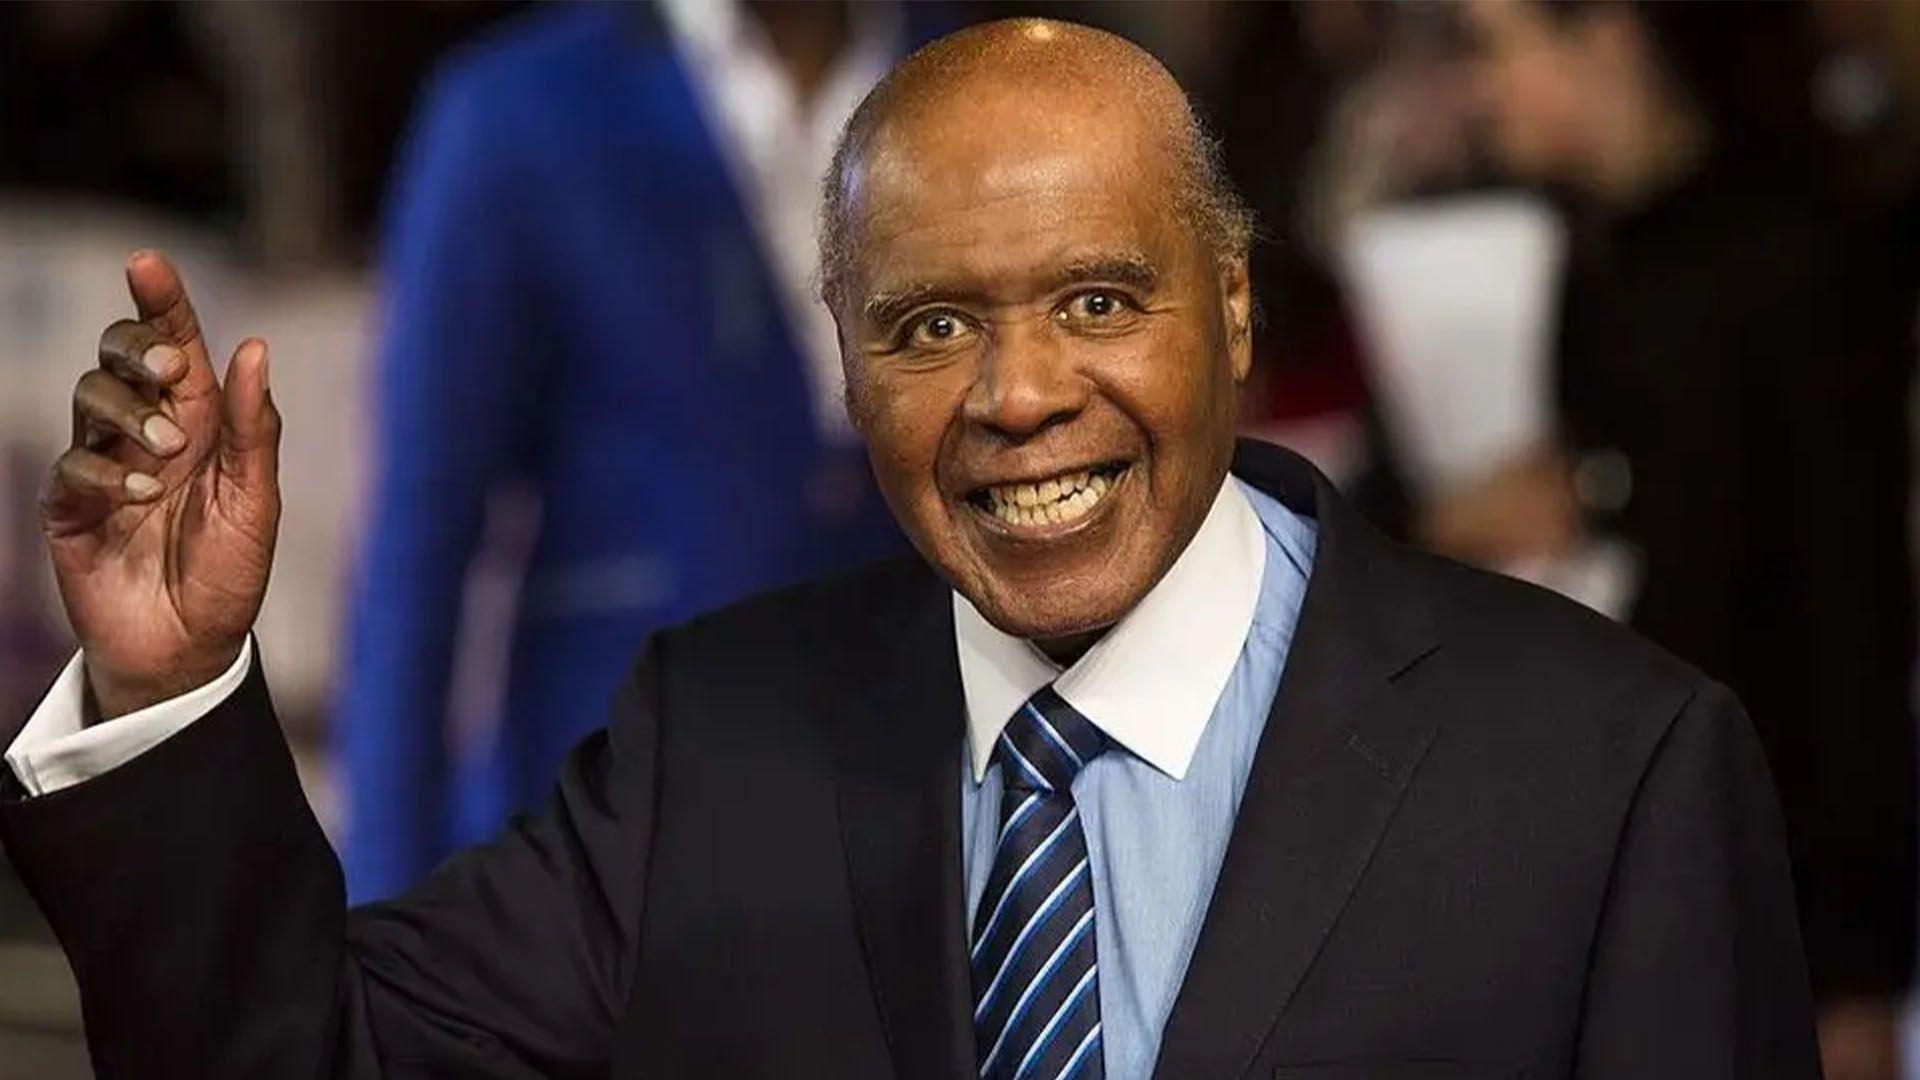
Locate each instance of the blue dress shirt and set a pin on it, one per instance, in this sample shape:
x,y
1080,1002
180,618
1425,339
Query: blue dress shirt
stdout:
x,y
1155,843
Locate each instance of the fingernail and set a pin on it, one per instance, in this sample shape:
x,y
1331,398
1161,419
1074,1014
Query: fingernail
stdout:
x,y
161,360
162,434
142,486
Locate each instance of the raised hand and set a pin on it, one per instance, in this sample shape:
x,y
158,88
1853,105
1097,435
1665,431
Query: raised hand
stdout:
x,y
161,516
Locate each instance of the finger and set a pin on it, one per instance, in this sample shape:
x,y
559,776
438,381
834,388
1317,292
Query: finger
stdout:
x,y
105,403
141,355
87,485
160,297
251,442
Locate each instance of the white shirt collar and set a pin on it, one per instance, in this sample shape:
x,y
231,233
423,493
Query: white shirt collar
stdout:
x,y
1151,683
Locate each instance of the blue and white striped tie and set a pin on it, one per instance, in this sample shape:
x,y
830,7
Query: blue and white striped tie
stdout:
x,y
1036,993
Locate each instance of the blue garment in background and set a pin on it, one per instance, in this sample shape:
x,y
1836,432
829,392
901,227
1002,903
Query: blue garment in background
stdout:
x,y
1154,843
576,303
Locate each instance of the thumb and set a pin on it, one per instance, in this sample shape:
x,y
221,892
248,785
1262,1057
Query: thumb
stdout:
x,y
250,425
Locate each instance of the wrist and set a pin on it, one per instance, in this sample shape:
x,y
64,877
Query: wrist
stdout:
x,y
114,693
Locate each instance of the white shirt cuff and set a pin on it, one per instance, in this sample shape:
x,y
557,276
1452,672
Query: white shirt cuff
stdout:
x,y
57,749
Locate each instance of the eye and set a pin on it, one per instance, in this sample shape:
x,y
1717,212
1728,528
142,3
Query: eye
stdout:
x,y
933,330
1097,308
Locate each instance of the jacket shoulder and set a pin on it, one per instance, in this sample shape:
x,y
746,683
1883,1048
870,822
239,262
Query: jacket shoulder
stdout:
x,y
1549,714
1557,662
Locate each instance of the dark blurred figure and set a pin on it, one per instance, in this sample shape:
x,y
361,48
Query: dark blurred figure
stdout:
x,y
1270,97
374,60
1734,372
114,99
600,344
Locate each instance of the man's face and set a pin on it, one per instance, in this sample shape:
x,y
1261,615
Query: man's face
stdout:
x,y
1041,351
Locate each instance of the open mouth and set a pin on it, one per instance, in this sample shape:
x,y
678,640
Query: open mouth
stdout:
x,y
1055,500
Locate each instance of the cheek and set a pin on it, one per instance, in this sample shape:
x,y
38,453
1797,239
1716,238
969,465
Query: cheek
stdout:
x,y
1177,390
904,417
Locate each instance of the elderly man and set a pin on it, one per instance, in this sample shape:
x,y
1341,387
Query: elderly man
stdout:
x,y
1158,761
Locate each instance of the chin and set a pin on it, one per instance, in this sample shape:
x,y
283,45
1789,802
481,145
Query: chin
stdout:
x,y
1042,575
1061,608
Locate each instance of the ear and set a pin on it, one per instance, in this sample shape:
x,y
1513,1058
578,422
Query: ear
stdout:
x,y
1236,301
851,378
856,414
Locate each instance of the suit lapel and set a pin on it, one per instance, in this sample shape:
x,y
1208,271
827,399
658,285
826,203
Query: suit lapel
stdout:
x,y
898,750
1339,749
1335,758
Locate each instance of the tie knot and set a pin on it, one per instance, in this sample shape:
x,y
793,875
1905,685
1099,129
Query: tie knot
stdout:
x,y
1046,744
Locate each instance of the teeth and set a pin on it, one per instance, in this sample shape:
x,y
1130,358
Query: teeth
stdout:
x,y
1050,502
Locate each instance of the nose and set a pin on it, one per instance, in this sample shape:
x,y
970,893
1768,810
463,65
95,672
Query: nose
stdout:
x,y
1027,383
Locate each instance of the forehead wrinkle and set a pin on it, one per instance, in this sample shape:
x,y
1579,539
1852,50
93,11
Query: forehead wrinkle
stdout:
x,y
1001,136
923,228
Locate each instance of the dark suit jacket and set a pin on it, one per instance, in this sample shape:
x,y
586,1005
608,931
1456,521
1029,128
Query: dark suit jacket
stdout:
x,y
1487,834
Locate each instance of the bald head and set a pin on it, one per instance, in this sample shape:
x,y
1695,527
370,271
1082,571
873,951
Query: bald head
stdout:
x,y
1070,84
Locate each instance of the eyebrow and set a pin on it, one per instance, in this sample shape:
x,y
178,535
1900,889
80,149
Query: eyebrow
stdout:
x,y
1129,269
1134,271
883,308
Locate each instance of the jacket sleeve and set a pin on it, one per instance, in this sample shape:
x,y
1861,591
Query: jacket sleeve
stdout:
x,y
1696,968
452,398
205,917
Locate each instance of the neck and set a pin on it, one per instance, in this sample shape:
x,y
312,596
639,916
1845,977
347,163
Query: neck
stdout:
x,y
1066,650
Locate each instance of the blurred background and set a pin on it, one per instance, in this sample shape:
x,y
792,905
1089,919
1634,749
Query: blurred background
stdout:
x,y
1618,297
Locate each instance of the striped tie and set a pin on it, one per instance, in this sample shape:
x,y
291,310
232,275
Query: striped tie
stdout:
x,y
1036,997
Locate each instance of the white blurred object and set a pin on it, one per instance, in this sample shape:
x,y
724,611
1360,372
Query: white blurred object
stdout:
x,y
1456,299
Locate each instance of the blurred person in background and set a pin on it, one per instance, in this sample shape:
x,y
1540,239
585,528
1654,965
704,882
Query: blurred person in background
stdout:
x,y
1732,385
589,179
1277,72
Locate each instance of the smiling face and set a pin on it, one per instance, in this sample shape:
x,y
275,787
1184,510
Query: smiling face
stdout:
x,y
1041,349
